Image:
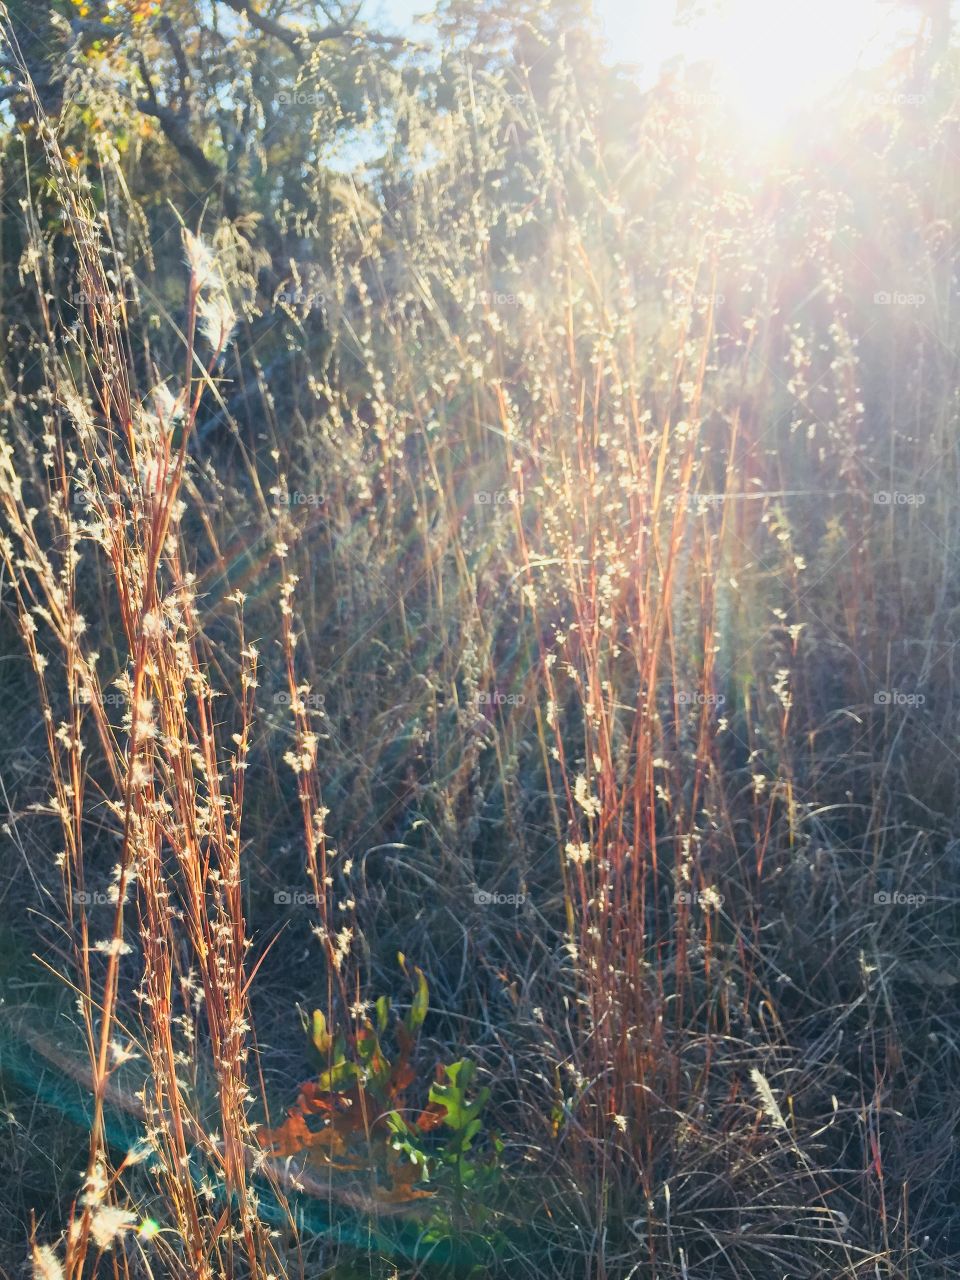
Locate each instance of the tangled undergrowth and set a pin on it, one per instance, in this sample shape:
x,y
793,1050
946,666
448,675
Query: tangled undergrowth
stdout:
x,y
519,534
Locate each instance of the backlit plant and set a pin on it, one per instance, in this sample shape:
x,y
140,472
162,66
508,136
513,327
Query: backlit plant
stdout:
x,y
355,1113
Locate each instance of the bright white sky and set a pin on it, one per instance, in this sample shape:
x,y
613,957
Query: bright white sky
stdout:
x,y
772,57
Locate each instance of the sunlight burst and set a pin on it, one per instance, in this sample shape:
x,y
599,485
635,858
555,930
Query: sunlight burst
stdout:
x,y
775,59
770,59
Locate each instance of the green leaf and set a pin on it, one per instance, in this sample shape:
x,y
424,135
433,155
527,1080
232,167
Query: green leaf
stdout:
x,y
320,1037
339,1077
421,1002
340,1074
460,1115
371,1054
396,1123
407,1141
383,1013
367,1044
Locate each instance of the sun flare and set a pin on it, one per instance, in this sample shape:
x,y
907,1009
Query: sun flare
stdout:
x,y
775,59
769,59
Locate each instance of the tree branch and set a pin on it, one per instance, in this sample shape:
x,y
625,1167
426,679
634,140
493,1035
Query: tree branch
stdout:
x,y
295,40
175,126
269,26
180,58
